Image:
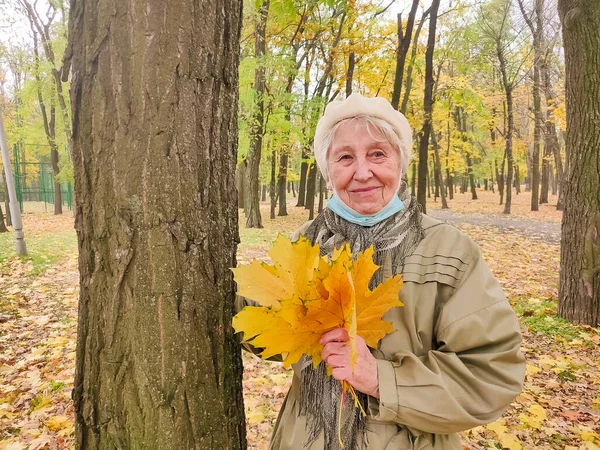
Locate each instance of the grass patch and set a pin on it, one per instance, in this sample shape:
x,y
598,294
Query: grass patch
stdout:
x,y
540,317
44,250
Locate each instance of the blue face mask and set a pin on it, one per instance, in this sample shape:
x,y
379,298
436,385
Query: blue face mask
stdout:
x,y
341,209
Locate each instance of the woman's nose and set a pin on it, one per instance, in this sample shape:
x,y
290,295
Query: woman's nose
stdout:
x,y
363,170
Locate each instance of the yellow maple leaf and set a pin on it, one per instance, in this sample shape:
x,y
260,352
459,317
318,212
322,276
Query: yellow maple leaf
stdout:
x,y
510,442
292,271
312,295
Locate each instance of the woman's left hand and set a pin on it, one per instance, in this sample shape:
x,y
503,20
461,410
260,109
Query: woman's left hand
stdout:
x,y
336,352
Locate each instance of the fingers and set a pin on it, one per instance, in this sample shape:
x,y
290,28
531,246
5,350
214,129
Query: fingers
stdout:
x,y
337,335
338,361
341,373
334,348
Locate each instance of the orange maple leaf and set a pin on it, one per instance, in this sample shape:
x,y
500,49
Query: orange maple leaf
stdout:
x,y
305,295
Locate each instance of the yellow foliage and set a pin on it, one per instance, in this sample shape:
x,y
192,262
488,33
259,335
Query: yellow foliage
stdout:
x,y
303,295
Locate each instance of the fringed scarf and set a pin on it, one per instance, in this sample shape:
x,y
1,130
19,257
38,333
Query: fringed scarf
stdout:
x,y
394,238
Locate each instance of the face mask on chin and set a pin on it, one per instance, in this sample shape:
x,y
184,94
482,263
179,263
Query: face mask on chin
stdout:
x,y
336,204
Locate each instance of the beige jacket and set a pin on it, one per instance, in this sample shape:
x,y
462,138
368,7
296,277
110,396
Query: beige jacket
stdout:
x,y
454,362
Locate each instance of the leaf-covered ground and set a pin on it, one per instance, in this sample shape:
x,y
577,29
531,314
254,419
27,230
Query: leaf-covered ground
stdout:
x,y
558,409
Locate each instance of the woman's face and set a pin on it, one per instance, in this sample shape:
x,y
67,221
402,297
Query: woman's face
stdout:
x,y
364,168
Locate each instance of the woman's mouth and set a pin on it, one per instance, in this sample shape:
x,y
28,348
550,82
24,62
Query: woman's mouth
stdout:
x,y
364,190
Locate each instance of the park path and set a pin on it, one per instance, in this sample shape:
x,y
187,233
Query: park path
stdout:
x,y
541,231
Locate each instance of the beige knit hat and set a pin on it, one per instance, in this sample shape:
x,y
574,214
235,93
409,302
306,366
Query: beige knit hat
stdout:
x,y
357,105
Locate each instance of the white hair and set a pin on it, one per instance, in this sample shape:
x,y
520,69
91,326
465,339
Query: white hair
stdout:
x,y
371,123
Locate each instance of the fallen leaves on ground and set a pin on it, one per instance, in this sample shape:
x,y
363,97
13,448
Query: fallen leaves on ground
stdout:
x,y
558,409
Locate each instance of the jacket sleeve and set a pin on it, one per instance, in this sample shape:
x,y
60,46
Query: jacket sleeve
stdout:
x,y
473,374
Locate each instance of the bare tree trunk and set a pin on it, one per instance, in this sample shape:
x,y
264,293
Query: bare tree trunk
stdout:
x,y
427,106
240,177
350,73
438,169
402,50
273,184
8,217
281,182
302,185
413,183
551,144
252,201
3,228
579,292
508,89
310,190
413,58
263,194
321,193
49,122
429,180
158,366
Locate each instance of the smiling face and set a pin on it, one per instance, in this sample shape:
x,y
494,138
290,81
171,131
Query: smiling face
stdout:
x,y
363,167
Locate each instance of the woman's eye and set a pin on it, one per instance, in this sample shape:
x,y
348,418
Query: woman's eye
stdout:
x,y
345,157
378,154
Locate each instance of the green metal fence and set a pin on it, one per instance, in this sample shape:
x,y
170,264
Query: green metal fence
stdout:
x,y
34,182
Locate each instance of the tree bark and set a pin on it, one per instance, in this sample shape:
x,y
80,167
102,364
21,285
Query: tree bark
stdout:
x,y
252,201
427,106
579,292
155,99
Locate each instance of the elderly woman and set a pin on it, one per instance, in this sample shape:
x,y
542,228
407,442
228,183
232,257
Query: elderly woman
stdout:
x,y
453,362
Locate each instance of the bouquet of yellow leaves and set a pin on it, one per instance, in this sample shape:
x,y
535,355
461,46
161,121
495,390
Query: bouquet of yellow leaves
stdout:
x,y
303,295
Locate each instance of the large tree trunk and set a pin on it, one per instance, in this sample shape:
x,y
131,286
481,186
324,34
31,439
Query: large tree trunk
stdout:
x,y
579,293
427,106
252,201
154,97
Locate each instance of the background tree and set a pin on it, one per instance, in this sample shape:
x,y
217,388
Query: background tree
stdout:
x,y
252,191
428,106
579,294
154,99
